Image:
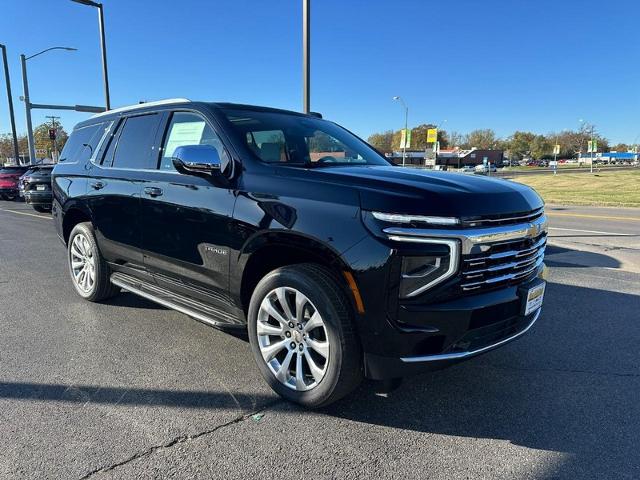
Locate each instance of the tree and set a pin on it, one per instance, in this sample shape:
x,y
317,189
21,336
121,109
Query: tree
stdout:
x,y
520,144
42,140
457,139
382,141
541,147
482,138
620,147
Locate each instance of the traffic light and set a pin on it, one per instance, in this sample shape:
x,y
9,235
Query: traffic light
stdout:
x,y
52,134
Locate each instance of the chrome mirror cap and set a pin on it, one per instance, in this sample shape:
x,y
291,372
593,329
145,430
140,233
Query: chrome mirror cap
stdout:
x,y
197,159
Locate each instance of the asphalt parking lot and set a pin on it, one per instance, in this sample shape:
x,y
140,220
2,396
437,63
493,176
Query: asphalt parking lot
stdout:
x,y
128,389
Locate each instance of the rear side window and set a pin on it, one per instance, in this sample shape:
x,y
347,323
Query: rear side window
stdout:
x,y
82,143
135,143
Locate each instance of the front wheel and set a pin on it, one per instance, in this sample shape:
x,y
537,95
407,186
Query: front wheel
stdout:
x,y
302,337
89,271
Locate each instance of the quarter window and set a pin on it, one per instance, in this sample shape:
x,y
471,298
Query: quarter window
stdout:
x,y
188,129
81,143
135,143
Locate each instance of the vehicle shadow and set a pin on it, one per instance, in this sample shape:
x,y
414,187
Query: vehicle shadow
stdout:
x,y
556,256
572,386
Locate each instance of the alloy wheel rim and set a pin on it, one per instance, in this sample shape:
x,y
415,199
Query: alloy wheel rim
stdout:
x,y
82,263
293,338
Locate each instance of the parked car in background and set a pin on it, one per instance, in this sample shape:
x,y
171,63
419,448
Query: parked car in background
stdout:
x,y
337,263
467,169
35,187
9,177
490,168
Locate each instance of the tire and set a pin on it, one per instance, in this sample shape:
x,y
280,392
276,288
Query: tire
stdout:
x,y
82,249
41,209
323,378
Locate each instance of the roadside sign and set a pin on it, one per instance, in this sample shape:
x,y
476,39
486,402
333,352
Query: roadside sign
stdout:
x,y
592,146
405,138
432,135
556,149
41,152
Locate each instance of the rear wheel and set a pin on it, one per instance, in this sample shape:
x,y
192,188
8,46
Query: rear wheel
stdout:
x,y
302,337
89,271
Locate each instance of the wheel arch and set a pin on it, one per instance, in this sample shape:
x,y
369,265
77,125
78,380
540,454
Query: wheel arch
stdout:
x,y
73,215
266,252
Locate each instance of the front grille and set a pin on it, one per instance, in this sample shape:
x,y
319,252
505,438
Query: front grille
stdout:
x,y
502,264
504,219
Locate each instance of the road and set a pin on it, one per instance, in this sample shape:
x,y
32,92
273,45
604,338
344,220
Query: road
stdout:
x,y
128,389
508,173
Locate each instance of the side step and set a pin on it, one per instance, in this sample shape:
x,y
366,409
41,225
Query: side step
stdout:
x,y
205,313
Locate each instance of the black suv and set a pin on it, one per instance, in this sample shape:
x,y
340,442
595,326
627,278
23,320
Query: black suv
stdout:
x,y
35,187
340,265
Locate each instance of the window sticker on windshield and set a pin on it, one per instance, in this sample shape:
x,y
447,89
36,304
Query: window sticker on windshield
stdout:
x,y
183,133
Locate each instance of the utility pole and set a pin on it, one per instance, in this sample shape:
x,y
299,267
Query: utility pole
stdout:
x,y
12,117
306,56
54,140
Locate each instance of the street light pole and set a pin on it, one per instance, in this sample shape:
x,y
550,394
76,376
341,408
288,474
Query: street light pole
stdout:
x,y
12,117
103,48
306,56
27,102
406,133
27,106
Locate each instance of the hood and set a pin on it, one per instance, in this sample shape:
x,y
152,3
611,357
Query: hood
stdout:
x,y
424,192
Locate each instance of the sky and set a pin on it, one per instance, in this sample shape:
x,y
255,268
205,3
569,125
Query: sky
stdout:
x,y
534,65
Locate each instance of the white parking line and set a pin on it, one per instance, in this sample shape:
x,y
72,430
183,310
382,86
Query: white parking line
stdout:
x,y
594,231
25,213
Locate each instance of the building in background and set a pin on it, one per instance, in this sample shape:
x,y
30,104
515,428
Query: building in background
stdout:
x,y
454,158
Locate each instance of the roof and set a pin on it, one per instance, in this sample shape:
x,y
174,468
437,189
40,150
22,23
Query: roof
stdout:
x,y
170,101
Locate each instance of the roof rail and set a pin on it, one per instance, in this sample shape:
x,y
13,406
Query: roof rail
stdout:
x,y
143,105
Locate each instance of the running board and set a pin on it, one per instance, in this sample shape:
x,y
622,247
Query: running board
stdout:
x,y
204,313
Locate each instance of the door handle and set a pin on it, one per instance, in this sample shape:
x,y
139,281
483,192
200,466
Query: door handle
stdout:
x,y
153,191
96,185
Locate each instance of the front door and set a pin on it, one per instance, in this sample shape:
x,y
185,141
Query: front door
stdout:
x,y
186,219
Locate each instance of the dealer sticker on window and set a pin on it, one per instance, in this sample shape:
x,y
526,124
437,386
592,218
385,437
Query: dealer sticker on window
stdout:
x,y
534,298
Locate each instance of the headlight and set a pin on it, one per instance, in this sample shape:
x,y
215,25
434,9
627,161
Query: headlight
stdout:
x,y
421,272
400,218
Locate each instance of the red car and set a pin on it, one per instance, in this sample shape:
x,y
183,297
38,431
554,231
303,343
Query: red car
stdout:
x,y
9,181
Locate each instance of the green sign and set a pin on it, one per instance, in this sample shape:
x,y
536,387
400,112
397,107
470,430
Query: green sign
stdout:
x,y
405,138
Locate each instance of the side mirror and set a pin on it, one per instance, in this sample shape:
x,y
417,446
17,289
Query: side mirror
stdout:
x,y
197,159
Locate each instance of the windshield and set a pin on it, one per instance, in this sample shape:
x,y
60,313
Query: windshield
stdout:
x,y
300,141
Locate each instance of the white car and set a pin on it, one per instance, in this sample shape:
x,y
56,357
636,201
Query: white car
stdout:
x,y
486,168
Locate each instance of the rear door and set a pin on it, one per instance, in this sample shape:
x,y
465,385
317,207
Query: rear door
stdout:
x,y
186,219
114,189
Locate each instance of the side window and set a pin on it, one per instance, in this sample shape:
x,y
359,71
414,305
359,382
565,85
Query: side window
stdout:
x,y
325,148
134,145
269,145
81,143
188,129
